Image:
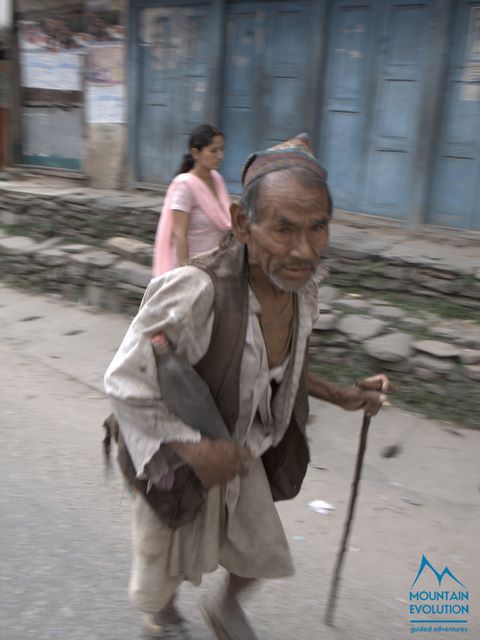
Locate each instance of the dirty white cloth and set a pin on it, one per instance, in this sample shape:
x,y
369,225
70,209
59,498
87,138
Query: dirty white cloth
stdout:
x,y
238,526
180,304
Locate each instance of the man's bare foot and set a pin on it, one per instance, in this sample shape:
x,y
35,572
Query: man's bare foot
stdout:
x,y
170,614
227,620
166,624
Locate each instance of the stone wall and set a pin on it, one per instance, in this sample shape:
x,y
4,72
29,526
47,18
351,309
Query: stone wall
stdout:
x,y
104,276
85,217
413,266
96,247
357,259
435,363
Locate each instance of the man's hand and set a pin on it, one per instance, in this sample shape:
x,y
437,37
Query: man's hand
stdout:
x,y
368,394
356,398
213,461
379,382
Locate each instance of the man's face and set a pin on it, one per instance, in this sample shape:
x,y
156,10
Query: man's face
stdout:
x,y
291,232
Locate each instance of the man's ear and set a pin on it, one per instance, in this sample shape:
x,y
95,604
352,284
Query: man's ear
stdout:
x,y
240,223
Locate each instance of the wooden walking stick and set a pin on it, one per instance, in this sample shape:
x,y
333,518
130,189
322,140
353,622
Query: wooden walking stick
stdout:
x,y
332,600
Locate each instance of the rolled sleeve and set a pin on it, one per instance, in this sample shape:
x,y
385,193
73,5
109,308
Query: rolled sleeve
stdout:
x,y
178,304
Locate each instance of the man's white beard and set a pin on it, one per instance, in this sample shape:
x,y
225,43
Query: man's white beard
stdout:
x,y
280,285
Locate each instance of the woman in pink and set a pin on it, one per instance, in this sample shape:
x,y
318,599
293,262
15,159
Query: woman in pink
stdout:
x,y
196,211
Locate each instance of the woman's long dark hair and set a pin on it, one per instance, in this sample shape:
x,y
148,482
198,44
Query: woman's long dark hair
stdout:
x,y
200,137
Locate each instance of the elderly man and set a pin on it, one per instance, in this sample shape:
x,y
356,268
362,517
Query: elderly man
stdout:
x,y
241,315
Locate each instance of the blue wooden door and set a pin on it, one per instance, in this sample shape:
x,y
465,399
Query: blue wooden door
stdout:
x,y
266,78
456,185
173,89
374,87
347,98
285,71
245,24
394,131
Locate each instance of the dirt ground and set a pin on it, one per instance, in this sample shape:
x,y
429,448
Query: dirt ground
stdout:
x,y
65,528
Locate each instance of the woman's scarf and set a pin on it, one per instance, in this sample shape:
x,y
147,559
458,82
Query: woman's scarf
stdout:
x,y
217,209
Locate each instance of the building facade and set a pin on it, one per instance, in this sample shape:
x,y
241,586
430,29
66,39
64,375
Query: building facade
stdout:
x,y
5,37
388,90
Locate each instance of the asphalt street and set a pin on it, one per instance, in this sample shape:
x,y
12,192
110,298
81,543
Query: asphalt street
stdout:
x,y
65,524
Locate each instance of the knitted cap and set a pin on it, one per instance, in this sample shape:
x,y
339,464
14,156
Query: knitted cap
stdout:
x,y
296,152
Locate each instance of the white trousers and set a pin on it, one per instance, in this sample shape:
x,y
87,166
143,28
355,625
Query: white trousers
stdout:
x,y
238,528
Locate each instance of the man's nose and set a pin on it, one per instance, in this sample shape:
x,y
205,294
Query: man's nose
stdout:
x,y
302,248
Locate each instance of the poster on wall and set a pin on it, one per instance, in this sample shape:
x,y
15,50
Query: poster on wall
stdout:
x,y
104,21
105,105
52,41
52,33
105,84
51,52
105,65
77,48
58,71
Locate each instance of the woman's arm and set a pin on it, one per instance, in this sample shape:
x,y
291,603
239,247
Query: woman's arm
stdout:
x,y
181,222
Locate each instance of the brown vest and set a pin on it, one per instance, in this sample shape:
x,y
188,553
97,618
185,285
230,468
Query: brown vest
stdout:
x,y
285,464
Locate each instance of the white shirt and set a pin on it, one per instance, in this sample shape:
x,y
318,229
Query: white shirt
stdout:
x,y
180,305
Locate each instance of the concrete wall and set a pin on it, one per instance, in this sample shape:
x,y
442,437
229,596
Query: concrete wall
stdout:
x,y
105,155
5,13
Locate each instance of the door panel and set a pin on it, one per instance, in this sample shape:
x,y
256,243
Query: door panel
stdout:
x,y
346,100
265,78
285,73
394,134
245,31
174,70
374,91
390,172
455,190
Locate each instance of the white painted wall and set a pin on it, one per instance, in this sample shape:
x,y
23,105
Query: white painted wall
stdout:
x,y
5,13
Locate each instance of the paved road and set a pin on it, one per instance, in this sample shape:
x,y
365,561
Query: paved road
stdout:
x,y
64,535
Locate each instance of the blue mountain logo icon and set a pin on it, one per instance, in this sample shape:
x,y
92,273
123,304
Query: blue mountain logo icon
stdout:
x,y
424,564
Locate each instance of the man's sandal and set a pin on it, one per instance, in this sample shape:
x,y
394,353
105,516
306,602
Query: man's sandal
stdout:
x,y
154,629
231,624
